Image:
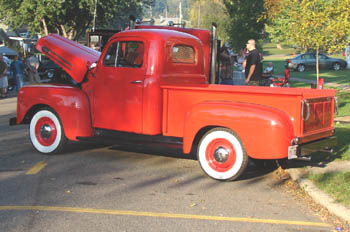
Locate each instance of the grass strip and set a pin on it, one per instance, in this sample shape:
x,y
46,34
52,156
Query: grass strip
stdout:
x,y
336,184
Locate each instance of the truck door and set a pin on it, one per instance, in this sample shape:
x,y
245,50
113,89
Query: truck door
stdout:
x,y
118,87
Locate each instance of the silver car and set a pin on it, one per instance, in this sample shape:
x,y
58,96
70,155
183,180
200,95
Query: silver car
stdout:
x,y
308,61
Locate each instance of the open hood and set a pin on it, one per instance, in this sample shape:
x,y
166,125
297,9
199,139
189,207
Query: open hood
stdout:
x,y
74,58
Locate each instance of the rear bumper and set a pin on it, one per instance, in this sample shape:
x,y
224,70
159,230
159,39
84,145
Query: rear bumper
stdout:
x,y
297,151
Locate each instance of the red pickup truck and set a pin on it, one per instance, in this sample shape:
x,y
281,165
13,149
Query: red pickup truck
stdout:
x,y
155,83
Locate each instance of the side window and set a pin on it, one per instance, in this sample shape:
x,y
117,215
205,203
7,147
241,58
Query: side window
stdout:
x,y
307,56
111,55
125,54
183,54
322,57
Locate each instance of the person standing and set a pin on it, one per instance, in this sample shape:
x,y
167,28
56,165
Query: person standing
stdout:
x,y
3,78
17,68
253,67
226,67
32,65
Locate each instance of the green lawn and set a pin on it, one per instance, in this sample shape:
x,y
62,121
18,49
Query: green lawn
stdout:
x,y
343,103
271,49
342,151
336,184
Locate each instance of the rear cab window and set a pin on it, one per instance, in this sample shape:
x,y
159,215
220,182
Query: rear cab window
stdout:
x,y
183,54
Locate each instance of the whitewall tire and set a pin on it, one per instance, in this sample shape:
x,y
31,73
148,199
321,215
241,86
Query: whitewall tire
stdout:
x,y
221,154
46,132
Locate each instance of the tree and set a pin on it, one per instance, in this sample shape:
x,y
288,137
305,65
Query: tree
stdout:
x,y
276,20
69,18
320,25
210,11
245,21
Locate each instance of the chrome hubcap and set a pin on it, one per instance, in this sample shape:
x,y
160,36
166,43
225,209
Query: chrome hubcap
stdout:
x,y
221,155
45,131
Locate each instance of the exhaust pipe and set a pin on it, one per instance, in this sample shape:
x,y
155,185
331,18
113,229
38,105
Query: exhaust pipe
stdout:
x,y
214,53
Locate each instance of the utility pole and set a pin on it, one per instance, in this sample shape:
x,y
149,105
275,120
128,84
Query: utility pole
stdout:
x,y
180,13
94,22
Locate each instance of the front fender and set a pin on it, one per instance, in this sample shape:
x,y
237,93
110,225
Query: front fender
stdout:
x,y
70,103
265,132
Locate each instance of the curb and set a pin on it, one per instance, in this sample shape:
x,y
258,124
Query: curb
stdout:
x,y
319,196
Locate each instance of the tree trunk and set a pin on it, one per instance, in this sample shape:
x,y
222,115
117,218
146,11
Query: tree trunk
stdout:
x,y
71,34
45,26
64,31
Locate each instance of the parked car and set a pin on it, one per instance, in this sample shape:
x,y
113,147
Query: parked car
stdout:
x,y
308,61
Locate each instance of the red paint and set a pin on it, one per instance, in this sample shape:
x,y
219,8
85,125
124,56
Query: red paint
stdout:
x,y
45,121
217,166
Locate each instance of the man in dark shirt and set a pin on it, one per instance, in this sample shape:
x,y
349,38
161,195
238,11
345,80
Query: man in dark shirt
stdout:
x,y
253,67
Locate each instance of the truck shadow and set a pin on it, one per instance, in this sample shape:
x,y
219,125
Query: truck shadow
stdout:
x,y
253,171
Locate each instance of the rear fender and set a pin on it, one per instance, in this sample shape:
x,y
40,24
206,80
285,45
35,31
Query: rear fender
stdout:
x,y
265,132
70,103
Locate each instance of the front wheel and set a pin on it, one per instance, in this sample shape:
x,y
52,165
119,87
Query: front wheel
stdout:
x,y
46,132
221,154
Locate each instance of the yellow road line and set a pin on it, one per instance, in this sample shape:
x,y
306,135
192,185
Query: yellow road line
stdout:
x,y
163,215
36,168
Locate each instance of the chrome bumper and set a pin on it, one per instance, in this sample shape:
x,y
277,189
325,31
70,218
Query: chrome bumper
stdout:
x,y
306,149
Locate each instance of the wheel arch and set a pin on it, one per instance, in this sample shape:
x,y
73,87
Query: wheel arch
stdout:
x,y
248,121
30,113
70,104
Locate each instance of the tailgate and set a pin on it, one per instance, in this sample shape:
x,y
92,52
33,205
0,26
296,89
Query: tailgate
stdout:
x,y
317,118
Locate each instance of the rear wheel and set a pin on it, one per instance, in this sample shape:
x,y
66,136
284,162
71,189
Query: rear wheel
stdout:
x,y
46,132
336,66
221,154
301,68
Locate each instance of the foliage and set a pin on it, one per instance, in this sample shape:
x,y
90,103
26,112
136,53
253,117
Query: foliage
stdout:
x,y
70,18
311,24
245,21
210,11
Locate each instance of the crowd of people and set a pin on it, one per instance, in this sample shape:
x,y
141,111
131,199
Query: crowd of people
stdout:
x,y
18,70
248,62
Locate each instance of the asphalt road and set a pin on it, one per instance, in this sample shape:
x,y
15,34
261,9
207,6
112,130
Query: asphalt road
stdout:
x,y
135,187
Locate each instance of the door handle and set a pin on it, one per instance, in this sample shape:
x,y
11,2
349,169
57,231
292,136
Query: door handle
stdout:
x,y
136,82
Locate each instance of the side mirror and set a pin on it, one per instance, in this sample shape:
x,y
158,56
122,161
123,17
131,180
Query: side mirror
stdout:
x,y
93,65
